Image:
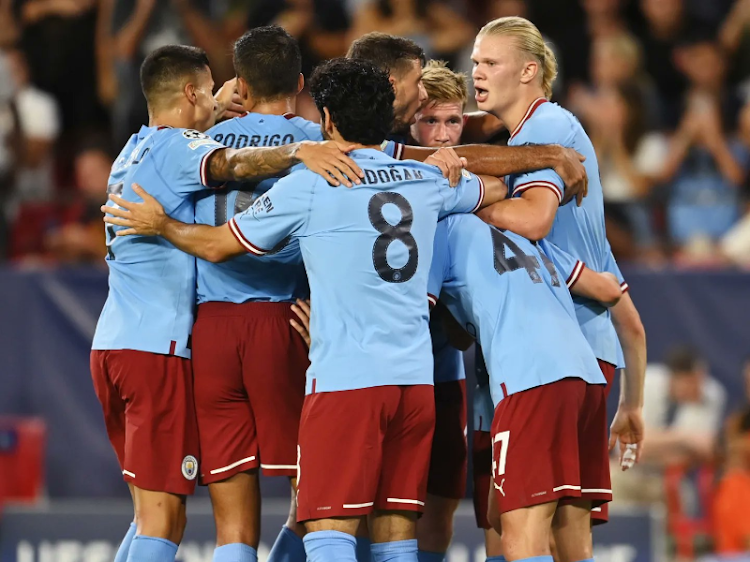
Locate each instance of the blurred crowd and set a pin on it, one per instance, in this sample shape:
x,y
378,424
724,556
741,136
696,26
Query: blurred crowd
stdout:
x,y
662,87
696,459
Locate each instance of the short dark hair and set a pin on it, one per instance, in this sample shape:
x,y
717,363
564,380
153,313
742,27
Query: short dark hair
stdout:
x,y
387,52
683,359
269,60
165,69
358,96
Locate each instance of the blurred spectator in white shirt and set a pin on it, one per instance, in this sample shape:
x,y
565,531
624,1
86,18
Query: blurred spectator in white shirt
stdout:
x,y
683,412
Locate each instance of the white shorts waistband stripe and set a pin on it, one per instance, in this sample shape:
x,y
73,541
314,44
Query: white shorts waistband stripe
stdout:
x,y
357,505
233,465
400,500
566,487
127,473
279,466
595,491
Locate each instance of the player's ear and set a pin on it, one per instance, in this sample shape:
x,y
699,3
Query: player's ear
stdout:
x,y
465,119
529,72
300,82
242,88
393,81
326,121
190,93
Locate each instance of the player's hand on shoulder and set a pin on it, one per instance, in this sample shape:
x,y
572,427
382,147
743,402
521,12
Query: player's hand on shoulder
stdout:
x,y
329,159
573,173
627,428
302,309
146,219
450,164
228,101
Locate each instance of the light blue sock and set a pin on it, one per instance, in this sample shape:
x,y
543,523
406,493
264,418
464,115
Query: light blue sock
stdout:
x,y
325,546
122,552
500,558
288,547
425,556
151,549
396,551
363,549
536,559
235,552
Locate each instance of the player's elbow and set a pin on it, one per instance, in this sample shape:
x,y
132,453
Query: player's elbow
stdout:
x,y
536,228
611,293
214,253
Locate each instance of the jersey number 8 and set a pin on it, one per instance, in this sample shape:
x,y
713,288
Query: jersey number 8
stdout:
x,y
389,233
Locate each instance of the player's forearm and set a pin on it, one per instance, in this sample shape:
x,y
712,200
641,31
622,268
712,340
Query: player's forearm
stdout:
x,y
632,336
601,287
210,243
520,216
245,163
501,161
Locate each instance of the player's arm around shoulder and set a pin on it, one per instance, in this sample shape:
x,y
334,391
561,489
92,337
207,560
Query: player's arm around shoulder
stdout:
x,y
602,287
211,243
531,215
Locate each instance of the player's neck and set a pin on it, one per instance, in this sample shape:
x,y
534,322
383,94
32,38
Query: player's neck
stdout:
x,y
513,114
357,146
171,118
276,107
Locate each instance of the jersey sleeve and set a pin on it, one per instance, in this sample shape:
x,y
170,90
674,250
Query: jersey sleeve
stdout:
x,y
440,264
553,129
393,149
466,197
610,265
281,212
569,266
184,162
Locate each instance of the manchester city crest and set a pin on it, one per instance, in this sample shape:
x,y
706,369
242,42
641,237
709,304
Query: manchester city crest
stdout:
x,y
190,467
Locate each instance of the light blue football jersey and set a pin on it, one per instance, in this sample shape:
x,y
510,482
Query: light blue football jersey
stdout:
x,y
504,290
580,230
152,283
367,251
449,361
278,276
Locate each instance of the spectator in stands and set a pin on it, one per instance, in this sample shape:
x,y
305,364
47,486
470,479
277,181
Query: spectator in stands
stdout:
x,y
734,37
731,521
433,24
665,25
57,37
630,161
683,410
736,244
39,126
705,165
80,237
8,26
8,133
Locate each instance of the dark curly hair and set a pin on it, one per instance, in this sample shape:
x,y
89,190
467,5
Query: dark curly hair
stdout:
x,y
358,96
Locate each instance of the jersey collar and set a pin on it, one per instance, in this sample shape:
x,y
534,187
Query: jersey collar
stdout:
x,y
529,112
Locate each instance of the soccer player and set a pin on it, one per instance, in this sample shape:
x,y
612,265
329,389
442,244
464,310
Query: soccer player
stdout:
x,y
140,354
366,427
508,293
249,365
403,59
439,122
513,75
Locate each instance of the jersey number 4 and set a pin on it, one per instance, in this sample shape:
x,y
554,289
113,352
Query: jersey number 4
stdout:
x,y
389,233
519,259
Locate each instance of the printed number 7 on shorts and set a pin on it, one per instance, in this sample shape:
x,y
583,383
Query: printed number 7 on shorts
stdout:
x,y
499,453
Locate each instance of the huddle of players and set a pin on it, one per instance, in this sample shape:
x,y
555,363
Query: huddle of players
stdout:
x,y
366,429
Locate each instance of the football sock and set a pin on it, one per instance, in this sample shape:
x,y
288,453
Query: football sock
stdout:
x,y
396,551
151,549
122,552
235,552
288,547
324,546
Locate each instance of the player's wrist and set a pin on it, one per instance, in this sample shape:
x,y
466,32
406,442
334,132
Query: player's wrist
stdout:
x,y
299,150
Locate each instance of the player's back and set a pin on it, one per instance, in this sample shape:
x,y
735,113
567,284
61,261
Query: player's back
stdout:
x,y
579,231
367,251
152,283
275,277
504,290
